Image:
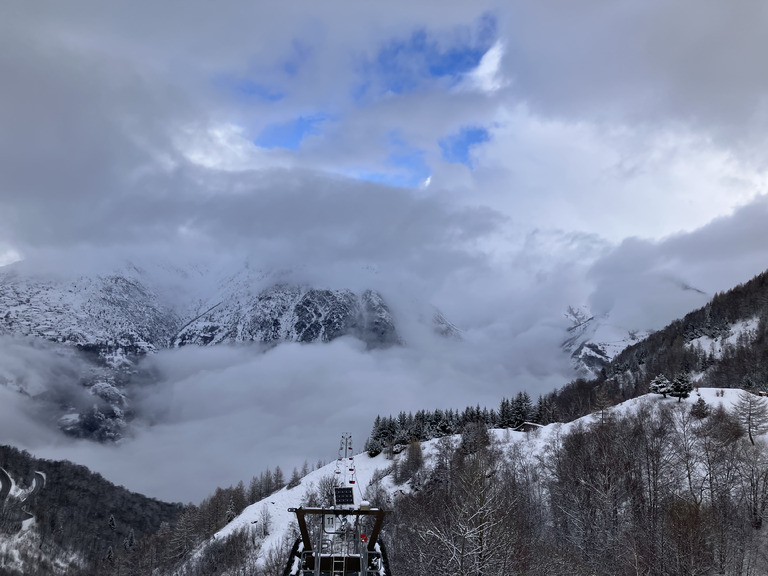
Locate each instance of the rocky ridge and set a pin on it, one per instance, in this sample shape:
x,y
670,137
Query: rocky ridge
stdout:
x,y
110,321
592,342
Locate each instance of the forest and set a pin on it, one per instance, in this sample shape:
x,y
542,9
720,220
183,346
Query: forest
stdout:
x,y
668,489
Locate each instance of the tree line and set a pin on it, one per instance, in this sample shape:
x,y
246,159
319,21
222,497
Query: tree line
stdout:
x,y
665,490
393,434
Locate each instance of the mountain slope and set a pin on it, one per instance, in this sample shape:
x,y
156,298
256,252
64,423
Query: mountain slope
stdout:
x,y
70,526
284,313
741,309
121,315
384,481
104,323
100,314
592,342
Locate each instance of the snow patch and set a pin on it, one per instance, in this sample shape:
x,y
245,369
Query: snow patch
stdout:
x,y
742,330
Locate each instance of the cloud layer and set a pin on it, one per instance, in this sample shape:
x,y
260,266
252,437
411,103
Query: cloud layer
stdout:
x,y
500,160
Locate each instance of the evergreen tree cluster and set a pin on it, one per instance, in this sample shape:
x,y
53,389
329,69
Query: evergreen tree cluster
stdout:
x,y
680,387
393,434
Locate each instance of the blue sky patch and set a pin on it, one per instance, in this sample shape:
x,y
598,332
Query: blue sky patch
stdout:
x,y
402,65
455,61
456,147
289,135
408,167
247,88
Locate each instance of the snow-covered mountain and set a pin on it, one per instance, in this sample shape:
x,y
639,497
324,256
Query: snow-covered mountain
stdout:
x,y
262,533
593,341
110,320
286,313
103,314
127,313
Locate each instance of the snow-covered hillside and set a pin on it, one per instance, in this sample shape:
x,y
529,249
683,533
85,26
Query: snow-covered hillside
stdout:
x,y
378,470
740,333
285,313
100,313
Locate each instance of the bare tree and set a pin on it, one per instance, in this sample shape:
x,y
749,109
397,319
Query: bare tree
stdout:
x,y
752,412
265,521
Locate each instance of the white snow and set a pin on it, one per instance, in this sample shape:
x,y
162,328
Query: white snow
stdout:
x,y
531,443
597,337
743,328
278,503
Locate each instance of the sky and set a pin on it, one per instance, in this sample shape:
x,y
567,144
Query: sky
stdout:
x,y
498,160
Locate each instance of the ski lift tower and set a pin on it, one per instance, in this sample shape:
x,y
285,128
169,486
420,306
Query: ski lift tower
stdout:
x,y
342,540
338,545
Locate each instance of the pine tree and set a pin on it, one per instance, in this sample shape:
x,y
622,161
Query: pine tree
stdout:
x,y
660,385
295,479
267,483
254,490
230,514
129,541
239,497
279,478
700,409
681,387
522,409
603,404
183,537
527,406
505,413
373,446
414,460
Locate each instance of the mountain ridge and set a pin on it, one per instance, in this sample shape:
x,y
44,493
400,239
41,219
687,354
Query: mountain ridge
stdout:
x,y
109,321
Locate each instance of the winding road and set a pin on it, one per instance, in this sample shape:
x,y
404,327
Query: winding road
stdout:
x,y
39,484
19,511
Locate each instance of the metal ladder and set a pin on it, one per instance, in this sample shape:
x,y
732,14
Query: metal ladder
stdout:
x,y
338,566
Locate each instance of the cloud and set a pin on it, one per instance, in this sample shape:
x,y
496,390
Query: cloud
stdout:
x,y
618,183
486,77
648,284
654,63
219,415
36,379
595,124
214,416
617,158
